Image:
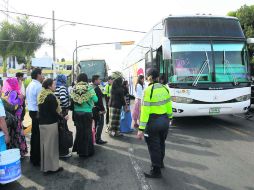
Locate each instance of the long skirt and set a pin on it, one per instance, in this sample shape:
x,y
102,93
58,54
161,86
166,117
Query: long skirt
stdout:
x,y
49,147
125,123
114,119
83,143
136,112
18,139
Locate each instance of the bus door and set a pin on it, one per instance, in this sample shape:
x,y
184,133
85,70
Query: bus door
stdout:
x,y
162,65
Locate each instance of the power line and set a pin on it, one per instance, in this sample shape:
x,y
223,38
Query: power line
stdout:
x,y
17,41
74,22
3,6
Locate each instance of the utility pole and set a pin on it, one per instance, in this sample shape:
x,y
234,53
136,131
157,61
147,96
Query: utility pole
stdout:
x,y
54,37
76,52
7,7
73,69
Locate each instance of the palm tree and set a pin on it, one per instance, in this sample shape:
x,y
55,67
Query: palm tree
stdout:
x,y
6,43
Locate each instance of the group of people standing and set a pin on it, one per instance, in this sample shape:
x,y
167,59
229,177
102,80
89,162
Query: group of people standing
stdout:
x,y
49,102
12,102
53,103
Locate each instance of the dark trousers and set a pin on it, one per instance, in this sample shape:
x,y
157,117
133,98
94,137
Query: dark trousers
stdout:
x,y
155,136
83,143
62,149
99,123
35,154
23,111
107,107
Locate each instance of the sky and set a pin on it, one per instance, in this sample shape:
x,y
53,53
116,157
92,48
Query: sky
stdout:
x,y
139,15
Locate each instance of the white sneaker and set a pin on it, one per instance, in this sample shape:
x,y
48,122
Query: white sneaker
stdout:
x,y
112,133
66,156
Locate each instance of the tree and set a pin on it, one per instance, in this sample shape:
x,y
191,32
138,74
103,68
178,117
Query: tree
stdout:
x,y
21,40
7,33
31,34
245,14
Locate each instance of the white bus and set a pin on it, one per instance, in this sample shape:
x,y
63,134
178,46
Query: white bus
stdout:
x,y
204,60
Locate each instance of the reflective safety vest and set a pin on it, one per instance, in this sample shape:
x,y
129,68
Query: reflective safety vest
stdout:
x,y
156,100
107,90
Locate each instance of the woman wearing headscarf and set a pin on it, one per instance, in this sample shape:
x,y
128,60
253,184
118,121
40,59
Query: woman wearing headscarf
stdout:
x,y
83,98
49,115
63,95
116,102
12,94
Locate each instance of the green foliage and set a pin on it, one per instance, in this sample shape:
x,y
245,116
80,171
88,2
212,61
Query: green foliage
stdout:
x,y
28,34
232,13
27,81
7,33
21,59
245,14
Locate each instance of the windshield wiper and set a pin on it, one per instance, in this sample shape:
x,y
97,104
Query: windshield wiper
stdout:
x,y
227,66
205,64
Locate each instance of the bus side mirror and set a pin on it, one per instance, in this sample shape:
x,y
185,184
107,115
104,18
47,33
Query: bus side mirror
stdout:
x,y
250,40
166,49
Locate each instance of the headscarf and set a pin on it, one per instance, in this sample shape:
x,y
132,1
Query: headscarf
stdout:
x,y
11,84
43,95
61,80
116,75
82,92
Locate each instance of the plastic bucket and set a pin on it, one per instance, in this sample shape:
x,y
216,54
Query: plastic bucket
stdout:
x,y
10,167
2,142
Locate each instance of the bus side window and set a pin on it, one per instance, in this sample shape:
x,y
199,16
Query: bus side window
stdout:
x,y
150,60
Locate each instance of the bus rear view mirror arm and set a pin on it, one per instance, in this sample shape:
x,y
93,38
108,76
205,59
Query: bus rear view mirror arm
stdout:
x,y
250,40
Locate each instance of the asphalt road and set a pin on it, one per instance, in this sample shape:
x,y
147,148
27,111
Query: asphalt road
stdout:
x,y
215,153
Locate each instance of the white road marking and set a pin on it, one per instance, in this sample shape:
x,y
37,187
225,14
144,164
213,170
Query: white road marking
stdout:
x,y
138,170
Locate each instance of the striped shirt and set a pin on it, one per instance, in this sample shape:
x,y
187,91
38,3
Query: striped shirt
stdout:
x,y
63,95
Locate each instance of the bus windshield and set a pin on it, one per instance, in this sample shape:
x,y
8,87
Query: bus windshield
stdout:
x,y
195,62
191,60
230,62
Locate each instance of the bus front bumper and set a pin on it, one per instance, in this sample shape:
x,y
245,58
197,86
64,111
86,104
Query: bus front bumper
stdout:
x,y
185,110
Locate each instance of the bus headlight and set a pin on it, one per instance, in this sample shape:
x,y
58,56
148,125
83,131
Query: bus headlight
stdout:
x,y
243,98
183,100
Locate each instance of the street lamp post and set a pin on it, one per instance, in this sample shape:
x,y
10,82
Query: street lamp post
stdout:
x,y
86,45
54,39
54,33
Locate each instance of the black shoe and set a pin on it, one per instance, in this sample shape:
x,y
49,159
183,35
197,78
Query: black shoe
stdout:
x,y
118,134
154,173
83,156
101,142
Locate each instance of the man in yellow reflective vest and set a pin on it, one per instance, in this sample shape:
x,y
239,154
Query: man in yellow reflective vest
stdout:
x,y
107,92
156,115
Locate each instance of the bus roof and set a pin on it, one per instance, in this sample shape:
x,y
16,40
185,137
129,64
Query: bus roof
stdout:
x,y
203,26
200,16
92,60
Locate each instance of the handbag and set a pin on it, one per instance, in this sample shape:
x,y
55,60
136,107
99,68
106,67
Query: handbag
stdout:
x,y
65,136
